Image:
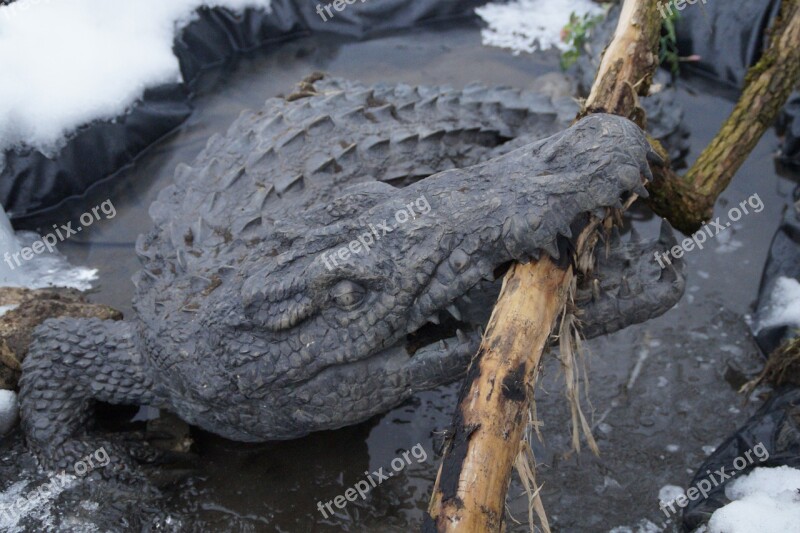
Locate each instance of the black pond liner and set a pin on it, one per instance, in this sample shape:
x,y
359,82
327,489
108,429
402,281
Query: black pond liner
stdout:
x,y
31,182
730,36
789,127
783,261
776,425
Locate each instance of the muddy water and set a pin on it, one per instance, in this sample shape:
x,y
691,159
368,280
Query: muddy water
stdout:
x,y
660,392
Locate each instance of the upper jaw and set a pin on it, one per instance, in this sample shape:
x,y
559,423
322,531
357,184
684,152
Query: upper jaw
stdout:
x,y
626,287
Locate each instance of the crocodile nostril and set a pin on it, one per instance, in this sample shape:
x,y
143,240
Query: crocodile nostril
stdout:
x,y
459,260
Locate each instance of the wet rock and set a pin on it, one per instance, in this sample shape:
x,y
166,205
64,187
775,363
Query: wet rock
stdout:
x,y
29,308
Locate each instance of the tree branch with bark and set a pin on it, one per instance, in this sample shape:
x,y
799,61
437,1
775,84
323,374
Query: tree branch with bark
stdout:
x,y
492,412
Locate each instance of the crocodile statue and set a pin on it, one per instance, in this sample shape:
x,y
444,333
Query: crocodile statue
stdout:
x,y
258,317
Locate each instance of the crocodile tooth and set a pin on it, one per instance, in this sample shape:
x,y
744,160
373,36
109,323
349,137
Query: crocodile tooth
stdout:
x,y
595,289
654,157
434,318
454,311
461,336
552,249
625,291
669,274
467,299
665,234
641,191
635,236
489,276
534,220
442,345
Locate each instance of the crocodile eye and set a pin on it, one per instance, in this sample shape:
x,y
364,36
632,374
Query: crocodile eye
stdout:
x,y
347,294
459,260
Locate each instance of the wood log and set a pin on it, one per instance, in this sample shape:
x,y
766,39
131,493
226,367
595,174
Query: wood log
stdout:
x,y
471,485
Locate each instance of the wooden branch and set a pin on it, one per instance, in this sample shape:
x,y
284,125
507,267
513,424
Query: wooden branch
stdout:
x,y
687,202
469,494
628,65
470,490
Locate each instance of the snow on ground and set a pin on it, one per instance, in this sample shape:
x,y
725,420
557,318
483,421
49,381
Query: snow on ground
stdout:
x,y
66,63
8,411
784,305
43,270
530,25
24,499
767,500
668,493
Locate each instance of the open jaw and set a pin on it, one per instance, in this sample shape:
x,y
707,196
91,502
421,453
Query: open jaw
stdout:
x,y
626,286
416,300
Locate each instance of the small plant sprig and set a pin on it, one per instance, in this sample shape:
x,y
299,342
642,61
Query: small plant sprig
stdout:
x,y
668,47
575,34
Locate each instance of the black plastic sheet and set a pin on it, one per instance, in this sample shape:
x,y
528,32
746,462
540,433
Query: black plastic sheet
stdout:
x,y
790,129
783,261
728,35
776,425
30,181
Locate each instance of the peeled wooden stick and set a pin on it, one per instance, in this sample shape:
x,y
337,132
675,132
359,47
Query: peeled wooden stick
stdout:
x,y
470,489
491,416
628,64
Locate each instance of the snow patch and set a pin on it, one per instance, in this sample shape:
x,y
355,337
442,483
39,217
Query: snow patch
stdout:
x,y
766,500
24,499
668,493
9,410
66,63
726,244
43,270
530,25
784,305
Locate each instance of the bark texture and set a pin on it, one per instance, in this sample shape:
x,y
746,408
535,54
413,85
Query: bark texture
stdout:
x,y
491,416
688,201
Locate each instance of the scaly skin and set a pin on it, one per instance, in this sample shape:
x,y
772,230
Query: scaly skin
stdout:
x,y
246,328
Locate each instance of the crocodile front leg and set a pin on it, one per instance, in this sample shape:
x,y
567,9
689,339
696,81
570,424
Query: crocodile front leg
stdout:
x,y
72,363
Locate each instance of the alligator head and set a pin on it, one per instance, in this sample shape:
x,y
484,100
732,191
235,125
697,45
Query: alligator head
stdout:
x,y
387,289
